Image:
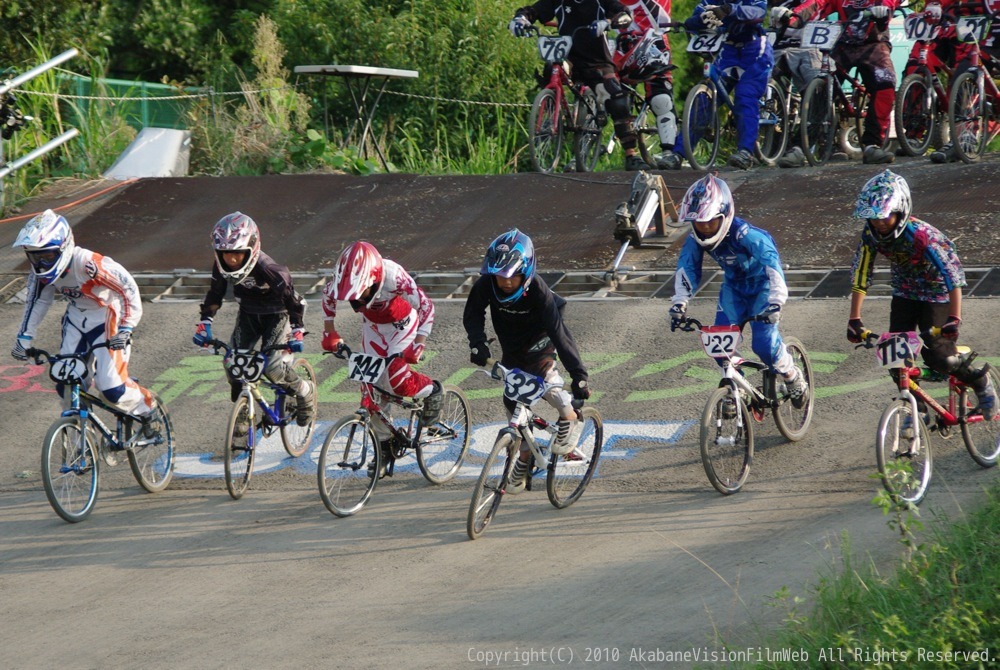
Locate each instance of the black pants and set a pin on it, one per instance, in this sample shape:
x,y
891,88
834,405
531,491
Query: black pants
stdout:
x,y
271,330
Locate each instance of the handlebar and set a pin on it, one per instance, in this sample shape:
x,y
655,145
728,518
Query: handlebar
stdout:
x,y
869,337
219,344
40,356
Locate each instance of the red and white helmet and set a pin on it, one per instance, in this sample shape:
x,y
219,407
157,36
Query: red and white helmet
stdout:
x,y
236,232
706,199
358,269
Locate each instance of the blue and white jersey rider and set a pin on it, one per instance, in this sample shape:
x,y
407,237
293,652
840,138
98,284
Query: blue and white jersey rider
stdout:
x,y
753,284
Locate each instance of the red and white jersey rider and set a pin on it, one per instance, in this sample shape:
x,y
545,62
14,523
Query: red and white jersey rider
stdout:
x,y
647,14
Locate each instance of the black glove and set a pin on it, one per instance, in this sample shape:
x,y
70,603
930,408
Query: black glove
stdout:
x,y
721,11
949,330
854,330
581,390
479,353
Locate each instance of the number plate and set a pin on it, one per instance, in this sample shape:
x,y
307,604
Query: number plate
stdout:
x,y
820,35
365,368
721,341
247,365
918,30
523,387
897,350
972,28
68,371
706,43
554,49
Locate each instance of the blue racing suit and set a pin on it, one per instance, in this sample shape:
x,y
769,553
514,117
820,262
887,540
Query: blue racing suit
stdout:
x,y
746,57
753,279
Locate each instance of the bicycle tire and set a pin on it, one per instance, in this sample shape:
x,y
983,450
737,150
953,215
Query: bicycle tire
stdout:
x,y
982,438
646,134
967,119
442,446
342,473
726,448
907,481
793,422
489,489
915,114
545,132
70,470
240,448
818,125
570,474
773,125
297,438
701,121
153,464
588,140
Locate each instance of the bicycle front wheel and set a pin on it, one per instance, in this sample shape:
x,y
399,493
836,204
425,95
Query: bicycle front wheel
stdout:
x,y
240,442
982,438
772,128
545,131
726,440
348,465
70,469
588,141
152,459
489,489
570,473
701,127
442,446
967,117
904,463
296,438
915,114
818,125
794,416
646,134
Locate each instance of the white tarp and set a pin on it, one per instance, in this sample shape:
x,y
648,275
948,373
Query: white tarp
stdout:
x,y
155,152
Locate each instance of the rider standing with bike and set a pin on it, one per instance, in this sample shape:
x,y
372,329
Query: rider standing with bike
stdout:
x,y
528,321
103,306
864,44
927,281
585,21
753,288
397,317
747,51
268,302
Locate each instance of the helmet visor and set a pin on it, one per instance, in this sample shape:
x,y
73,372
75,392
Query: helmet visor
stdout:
x,y
43,260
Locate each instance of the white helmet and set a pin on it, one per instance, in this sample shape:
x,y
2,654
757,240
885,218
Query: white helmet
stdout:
x,y
47,239
236,232
884,194
706,199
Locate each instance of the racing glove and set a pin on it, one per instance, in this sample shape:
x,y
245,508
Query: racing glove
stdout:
x,y
720,11
202,333
621,20
678,313
120,340
519,26
950,328
780,15
479,353
854,330
932,13
332,341
770,315
597,28
580,388
21,346
880,12
708,17
414,353
295,341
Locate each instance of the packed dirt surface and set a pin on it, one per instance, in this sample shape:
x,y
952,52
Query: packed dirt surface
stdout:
x,y
651,568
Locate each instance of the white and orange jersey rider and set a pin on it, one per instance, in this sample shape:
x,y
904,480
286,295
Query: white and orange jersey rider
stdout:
x,y
102,298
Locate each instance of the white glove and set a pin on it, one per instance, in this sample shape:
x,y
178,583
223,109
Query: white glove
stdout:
x,y
880,12
519,25
932,12
21,346
780,15
709,18
598,28
120,340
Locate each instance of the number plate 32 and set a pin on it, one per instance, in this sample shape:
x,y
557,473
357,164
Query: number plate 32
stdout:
x,y
523,387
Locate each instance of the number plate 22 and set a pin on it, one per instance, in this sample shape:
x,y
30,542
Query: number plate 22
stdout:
x,y
721,341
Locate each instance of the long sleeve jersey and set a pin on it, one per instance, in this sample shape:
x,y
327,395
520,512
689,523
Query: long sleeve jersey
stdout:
x,y
523,322
573,14
924,265
859,27
396,284
749,260
268,289
744,23
97,288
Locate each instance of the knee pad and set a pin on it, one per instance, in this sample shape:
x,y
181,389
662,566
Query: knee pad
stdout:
x,y
617,107
666,121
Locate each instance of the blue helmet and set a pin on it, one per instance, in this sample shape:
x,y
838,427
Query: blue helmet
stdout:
x,y
47,239
510,254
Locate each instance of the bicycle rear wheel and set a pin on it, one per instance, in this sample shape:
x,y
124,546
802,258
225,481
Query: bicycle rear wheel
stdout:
x,y
570,473
773,128
818,125
793,422
967,117
982,438
726,440
297,438
241,437
905,466
545,131
70,469
347,462
701,127
588,140
646,134
152,460
489,489
915,114
442,446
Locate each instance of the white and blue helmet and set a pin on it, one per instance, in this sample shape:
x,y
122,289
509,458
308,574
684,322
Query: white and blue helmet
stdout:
x,y
47,240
